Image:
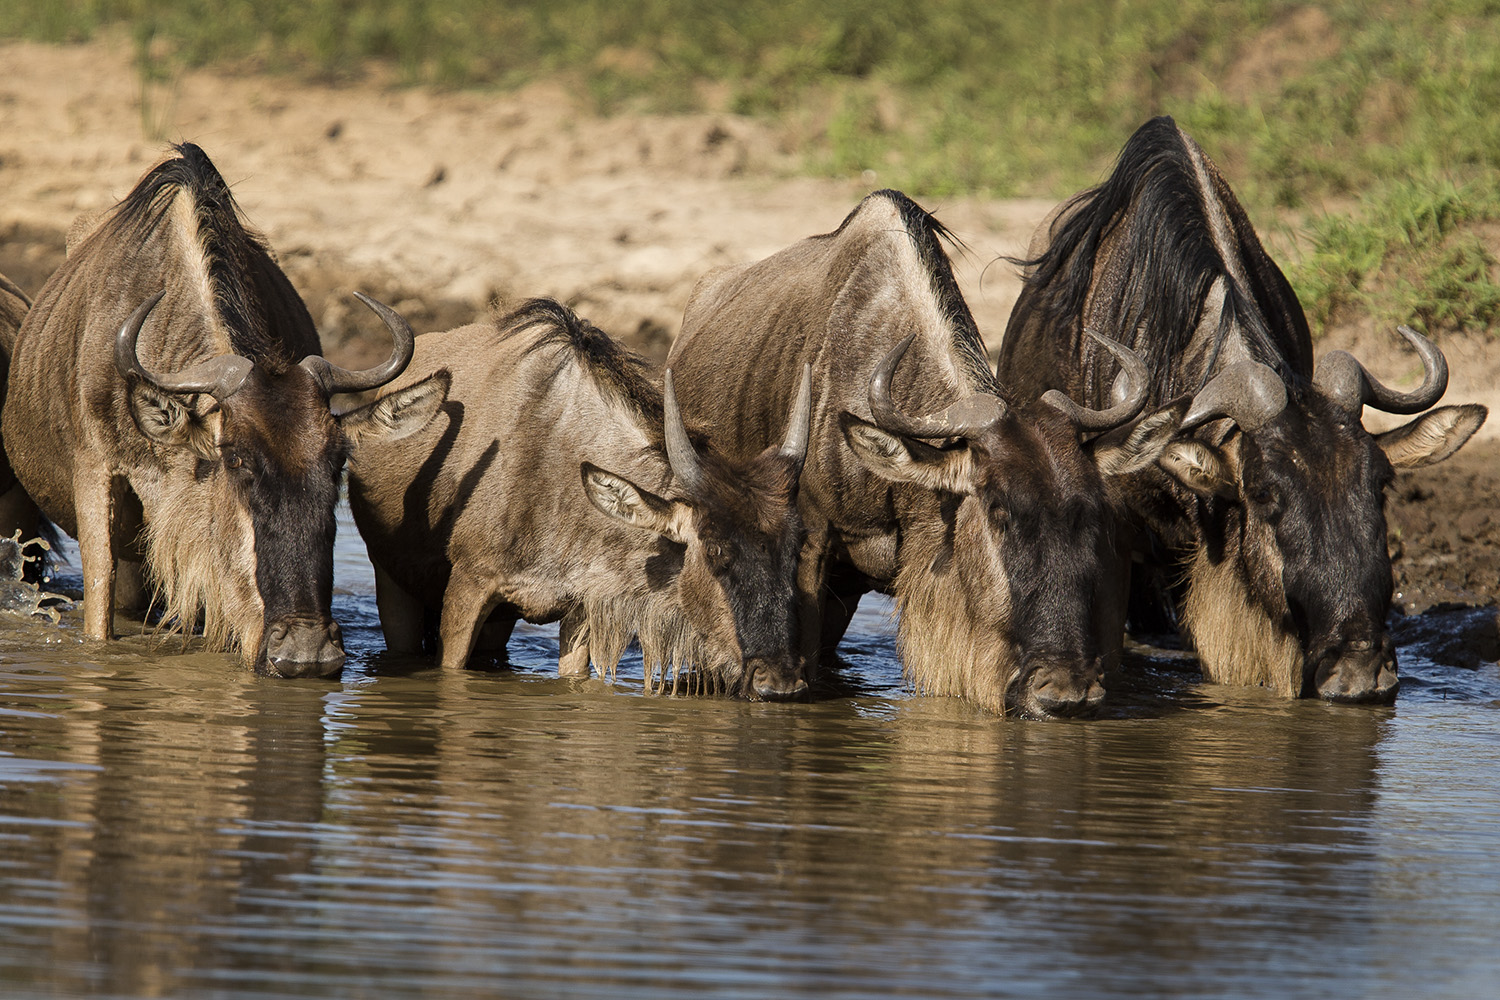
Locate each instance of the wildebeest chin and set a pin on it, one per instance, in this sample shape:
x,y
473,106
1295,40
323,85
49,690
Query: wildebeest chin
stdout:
x,y
158,412
561,483
1271,502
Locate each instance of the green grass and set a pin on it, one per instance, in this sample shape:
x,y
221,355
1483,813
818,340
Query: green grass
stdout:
x,y
1367,128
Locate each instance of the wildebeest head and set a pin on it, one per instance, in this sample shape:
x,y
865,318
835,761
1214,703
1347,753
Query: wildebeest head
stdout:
x,y
735,534
251,456
1007,582
1300,485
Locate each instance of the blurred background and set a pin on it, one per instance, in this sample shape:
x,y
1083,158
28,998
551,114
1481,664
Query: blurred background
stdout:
x,y
1362,136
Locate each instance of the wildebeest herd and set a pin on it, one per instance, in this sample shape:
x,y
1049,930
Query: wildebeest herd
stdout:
x,y
1157,447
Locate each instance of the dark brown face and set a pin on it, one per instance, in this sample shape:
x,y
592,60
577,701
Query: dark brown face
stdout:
x,y
739,570
1313,541
281,453
1047,525
1001,560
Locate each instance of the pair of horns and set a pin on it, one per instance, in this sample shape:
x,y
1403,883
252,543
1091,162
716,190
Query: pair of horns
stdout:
x,y
1251,394
973,416
222,376
682,457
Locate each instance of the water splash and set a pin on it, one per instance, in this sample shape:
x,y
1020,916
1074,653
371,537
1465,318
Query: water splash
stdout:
x,y
19,597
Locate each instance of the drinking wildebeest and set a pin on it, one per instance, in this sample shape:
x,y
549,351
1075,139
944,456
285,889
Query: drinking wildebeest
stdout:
x,y
1273,504
986,521
561,483
158,411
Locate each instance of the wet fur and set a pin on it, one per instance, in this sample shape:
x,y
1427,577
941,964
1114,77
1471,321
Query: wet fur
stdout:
x,y
942,652
187,548
1238,641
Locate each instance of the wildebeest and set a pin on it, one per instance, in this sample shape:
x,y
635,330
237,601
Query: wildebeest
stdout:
x,y
986,521
1273,508
561,483
168,403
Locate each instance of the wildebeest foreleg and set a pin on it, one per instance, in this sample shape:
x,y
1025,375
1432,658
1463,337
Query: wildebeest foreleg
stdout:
x,y
467,602
812,572
494,634
838,611
130,586
573,645
401,615
94,502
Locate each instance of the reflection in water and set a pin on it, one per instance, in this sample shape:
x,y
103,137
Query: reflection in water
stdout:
x,y
174,825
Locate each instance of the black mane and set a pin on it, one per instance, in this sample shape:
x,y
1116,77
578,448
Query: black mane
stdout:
x,y
1172,262
927,236
249,289
617,370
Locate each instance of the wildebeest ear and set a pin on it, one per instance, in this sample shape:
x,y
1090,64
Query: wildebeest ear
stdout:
x,y
623,500
907,460
399,414
1200,467
167,421
1118,455
1433,436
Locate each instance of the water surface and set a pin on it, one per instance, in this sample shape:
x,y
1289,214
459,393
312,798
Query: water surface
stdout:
x,y
172,825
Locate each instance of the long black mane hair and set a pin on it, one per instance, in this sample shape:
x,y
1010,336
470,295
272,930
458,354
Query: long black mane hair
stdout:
x,y
264,317
1162,201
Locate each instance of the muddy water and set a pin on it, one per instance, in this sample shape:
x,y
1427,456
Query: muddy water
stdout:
x,y
171,825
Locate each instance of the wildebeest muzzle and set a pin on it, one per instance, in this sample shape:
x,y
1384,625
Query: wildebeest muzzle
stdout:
x,y
1056,686
299,648
1358,672
774,679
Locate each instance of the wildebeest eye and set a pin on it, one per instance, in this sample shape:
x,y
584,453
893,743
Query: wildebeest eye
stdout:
x,y
233,460
1262,496
715,553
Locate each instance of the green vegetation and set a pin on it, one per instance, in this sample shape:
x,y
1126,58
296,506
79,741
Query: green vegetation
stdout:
x,y
1366,131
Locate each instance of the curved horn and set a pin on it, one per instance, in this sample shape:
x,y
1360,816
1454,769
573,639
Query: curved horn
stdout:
x,y
220,377
795,444
1348,383
680,454
335,379
1247,392
965,418
1128,391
